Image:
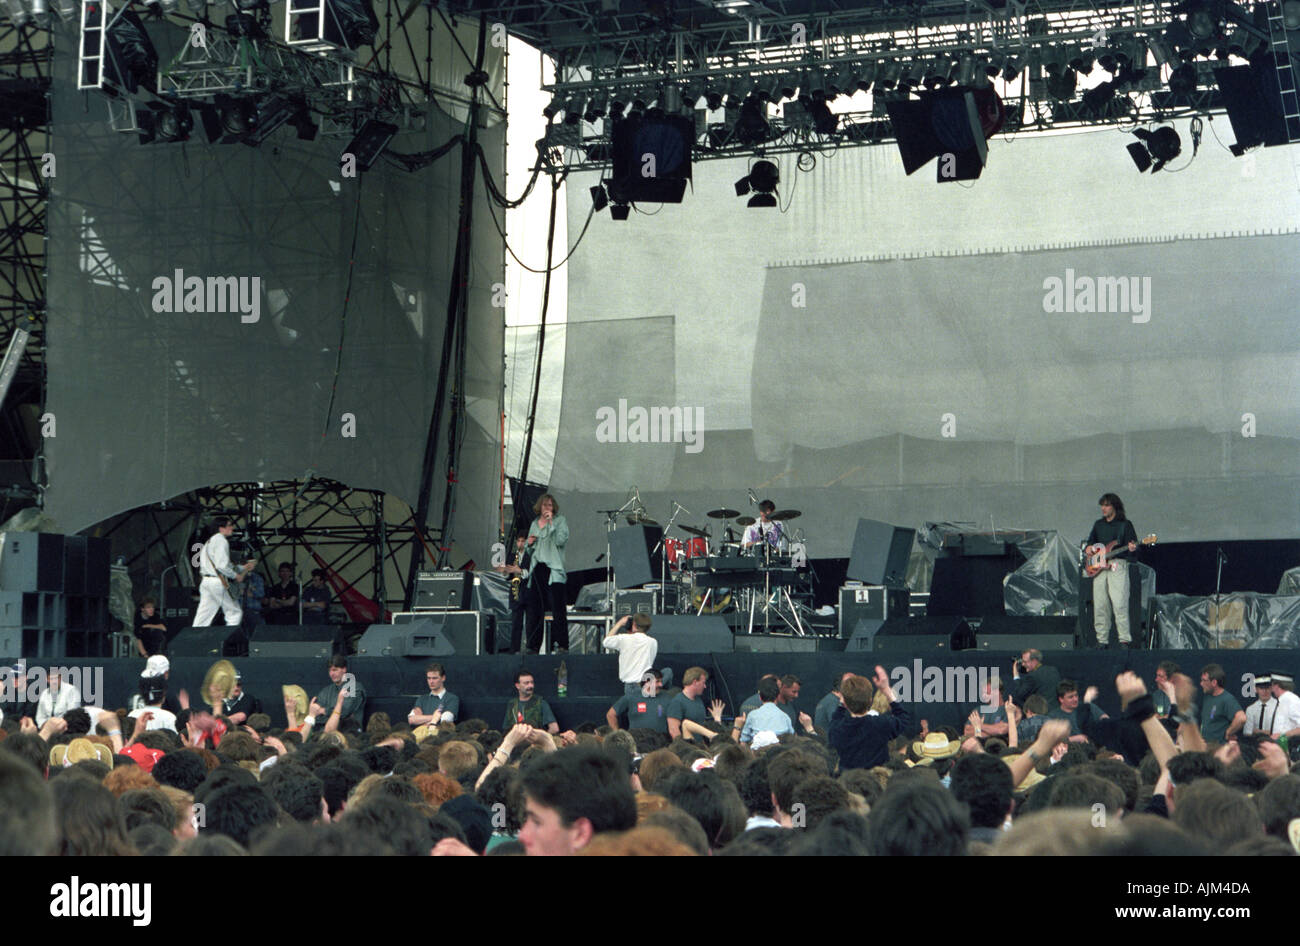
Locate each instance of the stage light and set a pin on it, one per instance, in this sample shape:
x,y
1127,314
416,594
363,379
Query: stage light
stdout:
x,y
1163,145
271,112
164,123
573,110
597,107
789,85
302,121
555,106
617,103
866,75
1182,81
671,99
752,126
888,74
599,200
713,95
619,211
762,179
843,83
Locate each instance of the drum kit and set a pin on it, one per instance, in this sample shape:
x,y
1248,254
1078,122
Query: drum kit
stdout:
x,y
709,569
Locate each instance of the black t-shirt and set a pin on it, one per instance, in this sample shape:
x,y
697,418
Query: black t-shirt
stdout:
x,y
287,589
154,639
1119,531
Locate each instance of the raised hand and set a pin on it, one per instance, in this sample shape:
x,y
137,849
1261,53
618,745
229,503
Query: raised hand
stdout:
x,y
1130,687
715,710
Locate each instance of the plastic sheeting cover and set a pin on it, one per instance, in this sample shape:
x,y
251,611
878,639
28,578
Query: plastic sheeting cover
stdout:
x,y
1241,621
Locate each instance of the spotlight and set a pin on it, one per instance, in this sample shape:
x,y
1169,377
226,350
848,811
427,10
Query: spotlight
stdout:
x,y
554,107
752,126
573,110
164,123
617,103
1182,81
866,75
763,179
599,200
234,117
302,122
272,112
619,211
713,96
597,106
1163,145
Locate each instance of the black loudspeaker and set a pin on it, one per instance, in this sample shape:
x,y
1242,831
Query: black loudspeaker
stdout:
x,y
74,564
1019,634
864,635
97,567
426,635
971,586
443,591
880,553
945,124
630,548
917,635
667,141
317,641
31,561
215,642
687,634
177,610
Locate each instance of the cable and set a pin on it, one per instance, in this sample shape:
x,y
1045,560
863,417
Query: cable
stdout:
x,y
343,320
590,214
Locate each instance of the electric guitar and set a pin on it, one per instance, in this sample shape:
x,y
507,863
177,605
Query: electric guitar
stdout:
x,y
1097,557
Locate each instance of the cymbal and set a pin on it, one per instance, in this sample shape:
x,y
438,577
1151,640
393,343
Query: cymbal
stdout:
x,y
746,521
641,521
693,531
724,513
782,515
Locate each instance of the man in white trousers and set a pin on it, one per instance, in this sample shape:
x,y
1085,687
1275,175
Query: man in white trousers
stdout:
x,y
214,564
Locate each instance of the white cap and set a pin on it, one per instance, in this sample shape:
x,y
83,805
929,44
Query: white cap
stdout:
x,y
763,739
156,666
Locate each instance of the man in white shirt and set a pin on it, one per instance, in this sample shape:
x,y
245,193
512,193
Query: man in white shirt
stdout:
x,y
765,530
1261,713
217,573
636,650
58,698
1287,720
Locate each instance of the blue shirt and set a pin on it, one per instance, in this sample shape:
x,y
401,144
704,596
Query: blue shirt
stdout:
x,y
767,718
549,547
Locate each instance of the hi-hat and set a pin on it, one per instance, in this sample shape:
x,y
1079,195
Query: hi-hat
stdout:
x,y
641,520
693,531
746,521
724,513
784,514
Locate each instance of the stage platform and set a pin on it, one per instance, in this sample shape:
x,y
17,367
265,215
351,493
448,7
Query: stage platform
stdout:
x,y
484,684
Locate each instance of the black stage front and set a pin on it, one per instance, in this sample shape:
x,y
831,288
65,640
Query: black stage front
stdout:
x,y
484,684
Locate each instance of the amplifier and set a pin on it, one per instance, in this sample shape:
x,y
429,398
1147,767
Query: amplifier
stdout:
x,y
917,603
412,634
1018,634
635,601
870,601
443,591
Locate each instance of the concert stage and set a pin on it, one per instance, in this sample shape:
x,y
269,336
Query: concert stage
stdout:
x,y
484,684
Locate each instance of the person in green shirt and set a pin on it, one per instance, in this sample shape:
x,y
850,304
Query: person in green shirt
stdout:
x,y
1221,714
528,708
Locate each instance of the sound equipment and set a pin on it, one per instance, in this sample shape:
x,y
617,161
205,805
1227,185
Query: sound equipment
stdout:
x,y
74,564
630,548
443,591
312,641
943,124
917,635
918,603
177,609
98,567
870,601
864,635
445,634
880,553
687,634
205,642
31,561
1018,634
970,587
11,641
635,601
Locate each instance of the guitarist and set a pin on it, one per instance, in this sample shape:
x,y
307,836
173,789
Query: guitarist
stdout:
x,y
1110,587
217,572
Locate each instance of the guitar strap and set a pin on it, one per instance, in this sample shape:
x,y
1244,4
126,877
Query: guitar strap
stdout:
x,y
225,585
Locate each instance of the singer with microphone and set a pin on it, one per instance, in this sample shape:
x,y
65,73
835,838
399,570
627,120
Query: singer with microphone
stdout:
x,y
764,530
547,537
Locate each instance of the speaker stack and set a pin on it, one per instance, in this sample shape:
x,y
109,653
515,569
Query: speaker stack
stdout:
x,y
54,597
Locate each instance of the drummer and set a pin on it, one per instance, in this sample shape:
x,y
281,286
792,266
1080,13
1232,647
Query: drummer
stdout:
x,y
764,529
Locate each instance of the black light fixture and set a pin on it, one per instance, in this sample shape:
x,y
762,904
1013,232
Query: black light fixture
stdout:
x,y
228,119
350,23
1162,145
619,211
599,200
370,142
271,112
163,123
132,61
762,179
752,126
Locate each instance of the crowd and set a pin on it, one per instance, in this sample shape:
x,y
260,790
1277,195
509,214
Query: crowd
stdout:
x,y
1037,769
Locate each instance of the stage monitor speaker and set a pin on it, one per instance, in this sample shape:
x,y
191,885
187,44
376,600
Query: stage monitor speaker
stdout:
x,y
215,642
880,553
1049,634
864,635
630,547
425,635
923,634
688,634
443,591
315,641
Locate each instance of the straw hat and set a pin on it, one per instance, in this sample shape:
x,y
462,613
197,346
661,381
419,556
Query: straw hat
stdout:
x,y
221,674
79,750
299,696
935,746
1030,780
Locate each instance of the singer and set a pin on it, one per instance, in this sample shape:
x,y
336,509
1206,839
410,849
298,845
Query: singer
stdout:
x,y
764,529
545,590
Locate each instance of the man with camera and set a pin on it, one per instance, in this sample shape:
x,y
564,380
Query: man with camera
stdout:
x,y
1031,676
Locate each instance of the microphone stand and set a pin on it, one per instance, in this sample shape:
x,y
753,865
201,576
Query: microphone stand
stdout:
x,y
662,550
1220,560
611,523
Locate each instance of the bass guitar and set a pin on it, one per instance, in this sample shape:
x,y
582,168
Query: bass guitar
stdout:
x,y
1098,557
